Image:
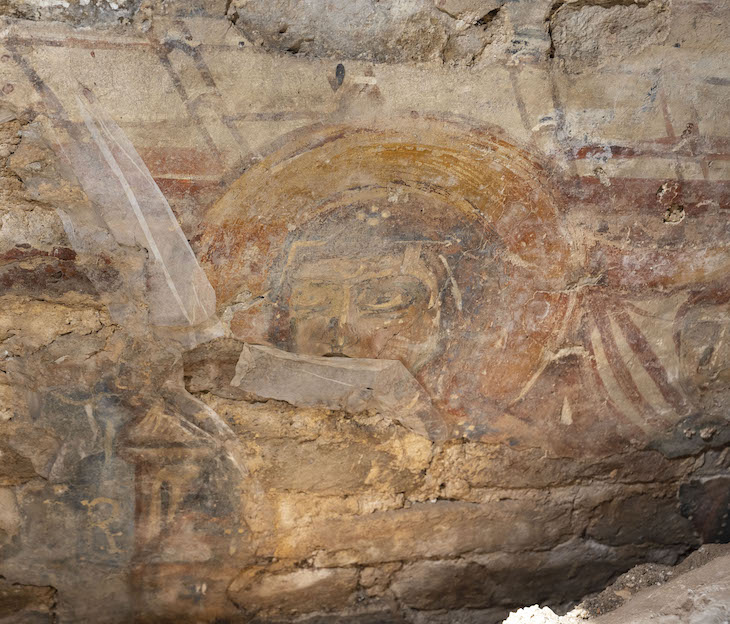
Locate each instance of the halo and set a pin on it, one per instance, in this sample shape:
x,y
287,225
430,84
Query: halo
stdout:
x,y
472,171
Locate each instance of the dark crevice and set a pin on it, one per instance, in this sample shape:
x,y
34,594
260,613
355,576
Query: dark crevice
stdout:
x,y
549,21
295,47
482,22
487,19
604,4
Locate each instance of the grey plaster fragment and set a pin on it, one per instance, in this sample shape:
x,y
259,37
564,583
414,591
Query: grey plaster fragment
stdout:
x,y
352,385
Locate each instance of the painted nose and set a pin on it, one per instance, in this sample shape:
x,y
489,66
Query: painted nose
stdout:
x,y
340,323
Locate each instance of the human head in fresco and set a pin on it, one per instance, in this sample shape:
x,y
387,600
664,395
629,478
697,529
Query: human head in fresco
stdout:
x,y
369,280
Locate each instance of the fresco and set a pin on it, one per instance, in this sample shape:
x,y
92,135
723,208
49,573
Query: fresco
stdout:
x,y
441,245
546,296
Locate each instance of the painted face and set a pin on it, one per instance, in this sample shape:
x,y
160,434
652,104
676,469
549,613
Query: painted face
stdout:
x,y
381,306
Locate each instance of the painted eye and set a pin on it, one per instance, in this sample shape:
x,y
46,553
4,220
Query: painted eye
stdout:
x,y
387,301
390,294
311,296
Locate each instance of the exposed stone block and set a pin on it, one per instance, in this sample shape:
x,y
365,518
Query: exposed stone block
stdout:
x,y
446,527
299,591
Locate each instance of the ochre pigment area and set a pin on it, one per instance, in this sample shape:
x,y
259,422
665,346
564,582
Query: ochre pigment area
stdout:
x,y
409,311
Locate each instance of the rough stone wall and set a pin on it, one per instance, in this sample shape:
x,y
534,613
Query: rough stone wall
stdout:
x,y
511,218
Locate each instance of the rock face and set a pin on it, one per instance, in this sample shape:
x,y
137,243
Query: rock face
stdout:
x,y
701,595
405,311
370,30
697,590
586,34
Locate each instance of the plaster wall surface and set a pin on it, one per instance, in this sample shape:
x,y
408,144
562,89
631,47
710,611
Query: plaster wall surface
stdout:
x,y
401,311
